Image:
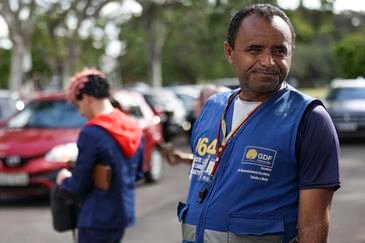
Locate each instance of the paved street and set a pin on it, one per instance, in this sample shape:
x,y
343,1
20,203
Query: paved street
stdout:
x,y
348,211
30,221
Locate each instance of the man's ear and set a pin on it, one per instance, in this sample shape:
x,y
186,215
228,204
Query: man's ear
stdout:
x,y
228,51
88,98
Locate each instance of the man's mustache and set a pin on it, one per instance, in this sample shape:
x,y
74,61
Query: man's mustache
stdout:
x,y
266,71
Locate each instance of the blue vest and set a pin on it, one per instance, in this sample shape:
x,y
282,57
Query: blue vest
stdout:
x,y
255,188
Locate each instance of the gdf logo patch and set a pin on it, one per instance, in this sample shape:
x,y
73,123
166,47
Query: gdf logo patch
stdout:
x,y
251,154
259,156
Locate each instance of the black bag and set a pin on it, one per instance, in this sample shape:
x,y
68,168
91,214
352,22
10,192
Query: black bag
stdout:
x,y
64,208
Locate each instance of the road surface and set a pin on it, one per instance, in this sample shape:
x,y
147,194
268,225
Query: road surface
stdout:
x,y
30,221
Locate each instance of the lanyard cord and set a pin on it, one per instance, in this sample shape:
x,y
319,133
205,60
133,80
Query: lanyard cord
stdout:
x,y
222,128
222,146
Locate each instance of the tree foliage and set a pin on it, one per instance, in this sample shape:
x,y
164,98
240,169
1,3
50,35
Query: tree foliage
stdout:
x,y
193,49
350,54
182,41
4,68
317,33
19,16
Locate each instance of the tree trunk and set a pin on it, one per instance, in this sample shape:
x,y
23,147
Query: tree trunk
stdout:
x,y
20,33
66,74
16,67
155,30
156,71
69,63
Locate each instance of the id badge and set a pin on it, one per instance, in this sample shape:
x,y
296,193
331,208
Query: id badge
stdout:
x,y
207,175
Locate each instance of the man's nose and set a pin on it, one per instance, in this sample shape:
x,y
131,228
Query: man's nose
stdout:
x,y
266,59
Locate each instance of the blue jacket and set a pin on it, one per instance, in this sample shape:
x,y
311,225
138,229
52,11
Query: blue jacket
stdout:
x,y
104,209
254,192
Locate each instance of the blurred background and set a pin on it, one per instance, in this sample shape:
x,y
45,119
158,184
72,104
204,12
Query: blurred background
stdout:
x,y
165,42
159,55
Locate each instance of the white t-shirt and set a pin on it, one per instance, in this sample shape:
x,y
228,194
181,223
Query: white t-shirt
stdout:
x,y
241,109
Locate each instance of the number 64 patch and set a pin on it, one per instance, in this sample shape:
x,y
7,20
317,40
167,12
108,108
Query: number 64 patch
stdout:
x,y
204,146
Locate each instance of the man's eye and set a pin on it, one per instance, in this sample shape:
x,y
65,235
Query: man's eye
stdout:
x,y
254,50
280,52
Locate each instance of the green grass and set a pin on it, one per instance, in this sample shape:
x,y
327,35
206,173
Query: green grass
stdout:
x,y
319,92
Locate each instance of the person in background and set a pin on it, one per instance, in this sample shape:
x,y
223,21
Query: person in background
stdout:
x,y
265,160
110,150
205,93
175,156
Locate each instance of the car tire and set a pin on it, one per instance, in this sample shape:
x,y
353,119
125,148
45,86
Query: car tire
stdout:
x,y
157,163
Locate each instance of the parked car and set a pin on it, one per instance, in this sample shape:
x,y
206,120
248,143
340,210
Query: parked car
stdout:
x,y
41,139
10,103
168,106
189,95
346,105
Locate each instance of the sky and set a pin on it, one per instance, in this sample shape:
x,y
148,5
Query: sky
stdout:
x,y
355,5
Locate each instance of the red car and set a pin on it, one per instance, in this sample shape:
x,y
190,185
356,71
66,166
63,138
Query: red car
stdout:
x,y
41,139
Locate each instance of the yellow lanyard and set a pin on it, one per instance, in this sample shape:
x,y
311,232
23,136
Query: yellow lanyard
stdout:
x,y
223,126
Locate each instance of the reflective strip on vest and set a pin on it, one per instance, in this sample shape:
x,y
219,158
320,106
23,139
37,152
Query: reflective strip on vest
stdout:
x,y
212,236
233,238
188,232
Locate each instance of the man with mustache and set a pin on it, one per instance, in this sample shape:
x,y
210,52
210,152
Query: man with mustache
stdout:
x,y
265,156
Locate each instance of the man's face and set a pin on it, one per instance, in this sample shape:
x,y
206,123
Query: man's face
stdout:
x,y
261,56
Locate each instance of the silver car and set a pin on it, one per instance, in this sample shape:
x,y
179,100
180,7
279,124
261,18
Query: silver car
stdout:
x,y
10,103
346,106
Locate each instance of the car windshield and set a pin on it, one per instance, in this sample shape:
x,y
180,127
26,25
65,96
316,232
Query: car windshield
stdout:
x,y
47,114
188,100
342,94
129,104
7,107
152,100
167,99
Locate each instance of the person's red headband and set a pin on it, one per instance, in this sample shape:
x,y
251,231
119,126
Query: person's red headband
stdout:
x,y
78,81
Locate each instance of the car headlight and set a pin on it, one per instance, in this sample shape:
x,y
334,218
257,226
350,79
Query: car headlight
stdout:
x,y
19,105
63,153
